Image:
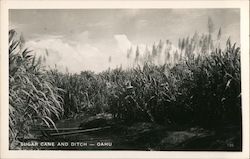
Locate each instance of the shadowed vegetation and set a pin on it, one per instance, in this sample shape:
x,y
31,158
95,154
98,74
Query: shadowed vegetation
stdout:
x,y
198,86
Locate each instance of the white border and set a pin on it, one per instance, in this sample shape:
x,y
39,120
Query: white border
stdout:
x,y
58,4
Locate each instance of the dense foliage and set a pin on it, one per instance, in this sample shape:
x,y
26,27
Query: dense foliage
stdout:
x,y
201,86
33,99
202,90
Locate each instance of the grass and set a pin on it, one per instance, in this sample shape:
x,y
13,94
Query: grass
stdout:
x,y
200,85
204,90
33,100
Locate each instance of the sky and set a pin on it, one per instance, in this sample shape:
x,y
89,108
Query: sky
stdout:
x,y
84,39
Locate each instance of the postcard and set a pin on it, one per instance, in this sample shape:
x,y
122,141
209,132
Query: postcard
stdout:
x,y
125,79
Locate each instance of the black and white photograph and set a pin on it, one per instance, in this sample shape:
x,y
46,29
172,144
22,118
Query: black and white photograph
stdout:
x,y
134,79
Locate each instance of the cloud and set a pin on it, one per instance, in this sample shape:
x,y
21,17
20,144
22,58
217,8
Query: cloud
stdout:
x,y
83,36
80,54
123,42
76,57
77,53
